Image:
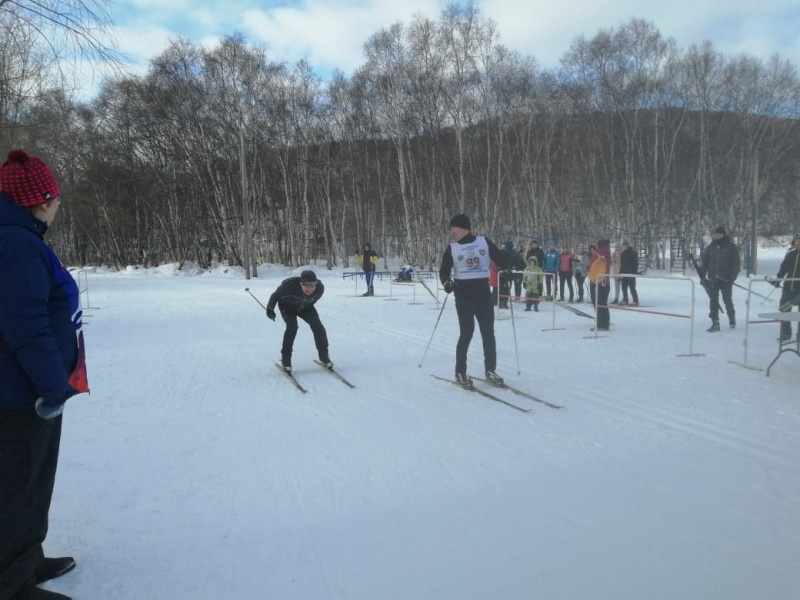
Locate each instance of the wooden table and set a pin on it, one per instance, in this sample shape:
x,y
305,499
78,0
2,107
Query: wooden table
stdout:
x,y
783,346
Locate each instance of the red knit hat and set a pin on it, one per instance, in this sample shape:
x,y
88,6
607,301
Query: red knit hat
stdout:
x,y
27,180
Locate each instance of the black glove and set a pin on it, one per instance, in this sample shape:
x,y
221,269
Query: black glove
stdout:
x,y
775,282
448,286
271,313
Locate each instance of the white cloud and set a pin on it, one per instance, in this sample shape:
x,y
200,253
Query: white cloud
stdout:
x,y
331,33
328,34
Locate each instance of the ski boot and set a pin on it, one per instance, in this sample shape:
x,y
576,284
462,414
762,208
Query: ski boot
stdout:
x,y
464,381
494,378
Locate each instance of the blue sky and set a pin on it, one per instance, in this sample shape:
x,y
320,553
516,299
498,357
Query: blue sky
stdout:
x,y
330,33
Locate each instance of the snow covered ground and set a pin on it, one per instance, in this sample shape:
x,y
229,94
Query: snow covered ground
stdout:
x,y
195,470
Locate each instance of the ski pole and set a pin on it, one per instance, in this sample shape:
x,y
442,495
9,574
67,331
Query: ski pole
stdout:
x,y
514,329
254,298
774,287
441,310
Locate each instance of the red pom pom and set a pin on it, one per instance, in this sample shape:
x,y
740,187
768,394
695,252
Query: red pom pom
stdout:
x,y
18,156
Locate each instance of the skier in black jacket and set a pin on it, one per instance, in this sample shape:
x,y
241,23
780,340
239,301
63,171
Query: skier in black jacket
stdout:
x,y
296,297
466,259
790,296
721,267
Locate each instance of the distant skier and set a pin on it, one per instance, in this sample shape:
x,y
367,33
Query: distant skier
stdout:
x,y
720,265
369,260
296,297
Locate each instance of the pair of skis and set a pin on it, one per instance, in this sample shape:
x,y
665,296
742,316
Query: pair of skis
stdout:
x,y
296,383
494,398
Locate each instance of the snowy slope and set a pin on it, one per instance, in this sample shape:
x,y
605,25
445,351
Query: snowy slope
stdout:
x,y
195,471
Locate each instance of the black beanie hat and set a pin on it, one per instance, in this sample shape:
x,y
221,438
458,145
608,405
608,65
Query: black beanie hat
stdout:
x,y
462,221
308,276
720,229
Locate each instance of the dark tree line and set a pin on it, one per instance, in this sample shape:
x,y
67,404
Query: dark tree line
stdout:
x,y
232,155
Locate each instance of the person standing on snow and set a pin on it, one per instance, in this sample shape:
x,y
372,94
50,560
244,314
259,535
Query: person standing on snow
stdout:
x,y
369,260
790,296
598,275
580,263
464,271
516,264
42,365
565,266
720,265
532,282
552,260
629,264
296,297
616,265
535,250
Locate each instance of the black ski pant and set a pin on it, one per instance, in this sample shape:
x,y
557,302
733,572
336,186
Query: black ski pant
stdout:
x,y
28,461
579,279
566,277
716,287
472,305
789,298
603,318
517,277
629,283
310,316
505,289
551,283
532,299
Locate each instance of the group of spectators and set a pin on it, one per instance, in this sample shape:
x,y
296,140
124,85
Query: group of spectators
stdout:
x,y
550,274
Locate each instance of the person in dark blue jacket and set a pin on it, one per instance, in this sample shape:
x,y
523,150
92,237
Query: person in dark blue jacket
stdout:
x,y
41,366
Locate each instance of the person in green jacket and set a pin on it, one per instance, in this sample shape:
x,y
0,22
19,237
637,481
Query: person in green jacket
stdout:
x,y
532,282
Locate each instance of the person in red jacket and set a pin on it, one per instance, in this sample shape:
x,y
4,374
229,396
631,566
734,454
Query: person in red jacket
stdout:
x,y
565,273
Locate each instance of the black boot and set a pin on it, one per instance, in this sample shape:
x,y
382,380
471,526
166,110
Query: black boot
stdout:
x,y
50,568
286,363
325,360
714,327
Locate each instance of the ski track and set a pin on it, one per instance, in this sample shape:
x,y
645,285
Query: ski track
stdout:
x,y
233,432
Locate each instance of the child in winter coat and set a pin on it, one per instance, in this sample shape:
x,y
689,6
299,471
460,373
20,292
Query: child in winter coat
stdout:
x,y
532,282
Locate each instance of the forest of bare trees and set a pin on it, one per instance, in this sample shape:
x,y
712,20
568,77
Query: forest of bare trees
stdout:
x,y
231,155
